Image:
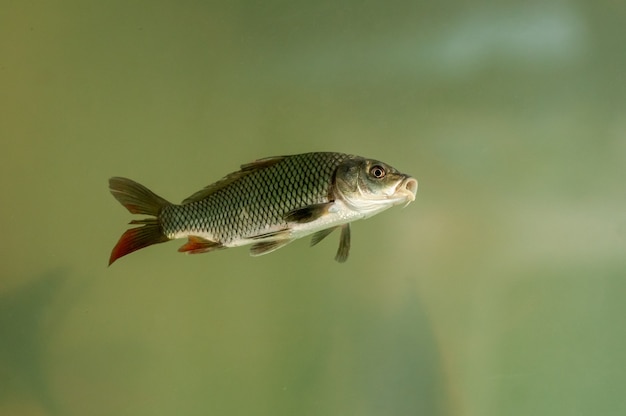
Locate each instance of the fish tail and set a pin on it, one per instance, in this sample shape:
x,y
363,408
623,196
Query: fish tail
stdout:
x,y
138,200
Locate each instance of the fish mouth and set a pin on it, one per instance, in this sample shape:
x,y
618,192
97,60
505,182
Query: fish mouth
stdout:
x,y
370,202
407,188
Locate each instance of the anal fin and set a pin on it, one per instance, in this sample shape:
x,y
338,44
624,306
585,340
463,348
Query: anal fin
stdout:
x,y
197,245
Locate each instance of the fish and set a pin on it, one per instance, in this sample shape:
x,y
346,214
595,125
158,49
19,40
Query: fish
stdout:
x,y
266,204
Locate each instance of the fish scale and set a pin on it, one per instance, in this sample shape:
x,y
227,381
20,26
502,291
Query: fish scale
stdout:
x,y
266,196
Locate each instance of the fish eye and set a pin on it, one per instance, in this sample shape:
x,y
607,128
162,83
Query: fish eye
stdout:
x,y
377,171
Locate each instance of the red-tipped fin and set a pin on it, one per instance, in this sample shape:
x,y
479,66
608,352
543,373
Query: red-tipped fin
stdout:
x,y
139,200
197,245
136,238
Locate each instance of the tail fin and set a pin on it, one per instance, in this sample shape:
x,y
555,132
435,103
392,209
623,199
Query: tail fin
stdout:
x,y
138,200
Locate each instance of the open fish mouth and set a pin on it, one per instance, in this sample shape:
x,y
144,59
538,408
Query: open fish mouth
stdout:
x,y
408,188
405,191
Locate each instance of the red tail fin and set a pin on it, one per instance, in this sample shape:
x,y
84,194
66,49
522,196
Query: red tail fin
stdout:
x,y
138,200
135,238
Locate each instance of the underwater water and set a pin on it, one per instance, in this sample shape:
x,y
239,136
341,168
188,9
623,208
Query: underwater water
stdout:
x,y
499,291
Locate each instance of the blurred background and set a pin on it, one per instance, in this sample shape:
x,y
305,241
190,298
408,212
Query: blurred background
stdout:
x,y
499,291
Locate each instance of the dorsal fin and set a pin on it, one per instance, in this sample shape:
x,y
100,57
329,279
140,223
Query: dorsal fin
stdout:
x,y
245,170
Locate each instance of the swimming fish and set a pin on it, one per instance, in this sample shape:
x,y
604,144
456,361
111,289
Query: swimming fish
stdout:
x,y
267,203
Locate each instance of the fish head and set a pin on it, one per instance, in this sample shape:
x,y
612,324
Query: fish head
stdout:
x,y
371,186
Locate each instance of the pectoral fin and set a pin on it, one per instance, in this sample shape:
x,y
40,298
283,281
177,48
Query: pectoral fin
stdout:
x,y
344,244
308,213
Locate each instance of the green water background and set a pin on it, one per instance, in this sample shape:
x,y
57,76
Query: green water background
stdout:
x,y
500,291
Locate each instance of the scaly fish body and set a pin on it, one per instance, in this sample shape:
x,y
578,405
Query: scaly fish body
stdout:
x,y
268,203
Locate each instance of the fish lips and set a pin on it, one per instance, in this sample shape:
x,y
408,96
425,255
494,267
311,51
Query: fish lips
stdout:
x,y
406,191
408,187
